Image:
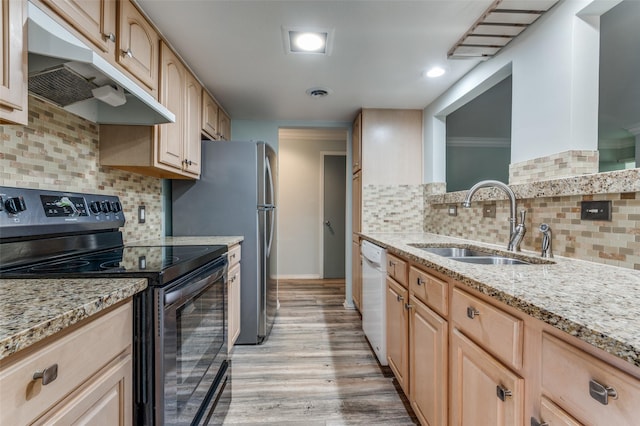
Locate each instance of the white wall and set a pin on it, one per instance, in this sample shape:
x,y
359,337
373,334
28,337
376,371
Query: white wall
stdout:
x,y
554,65
300,200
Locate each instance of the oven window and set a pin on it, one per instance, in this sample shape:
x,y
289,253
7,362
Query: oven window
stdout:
x,y
199,339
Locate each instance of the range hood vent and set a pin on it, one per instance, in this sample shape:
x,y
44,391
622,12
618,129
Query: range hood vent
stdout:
x,y
67,73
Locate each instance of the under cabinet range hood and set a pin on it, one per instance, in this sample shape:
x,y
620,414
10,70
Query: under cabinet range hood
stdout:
x,y
67,73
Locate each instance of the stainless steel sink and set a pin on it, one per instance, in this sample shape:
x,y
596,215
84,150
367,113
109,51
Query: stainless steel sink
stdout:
x,y
468,255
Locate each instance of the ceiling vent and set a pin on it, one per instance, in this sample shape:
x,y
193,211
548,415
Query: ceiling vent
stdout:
x,y
503,21
318,92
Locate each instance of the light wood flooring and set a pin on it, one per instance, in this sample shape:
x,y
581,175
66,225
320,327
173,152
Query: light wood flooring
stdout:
x,y
316,368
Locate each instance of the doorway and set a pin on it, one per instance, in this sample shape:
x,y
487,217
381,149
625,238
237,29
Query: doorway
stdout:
x,y
333,214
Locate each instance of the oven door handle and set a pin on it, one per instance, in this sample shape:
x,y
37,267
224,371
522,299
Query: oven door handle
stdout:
x,y
193,288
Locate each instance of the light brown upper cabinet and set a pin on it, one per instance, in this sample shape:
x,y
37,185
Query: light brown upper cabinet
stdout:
x,y
138,45
209,116
13,74
96,20
170,150
224,125
356,145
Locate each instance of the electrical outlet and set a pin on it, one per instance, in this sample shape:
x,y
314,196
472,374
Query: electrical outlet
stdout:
x,y
595,210
452,210
489,210
141,214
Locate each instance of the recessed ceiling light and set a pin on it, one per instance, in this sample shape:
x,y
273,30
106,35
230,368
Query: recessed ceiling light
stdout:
x,y
435,72
307,40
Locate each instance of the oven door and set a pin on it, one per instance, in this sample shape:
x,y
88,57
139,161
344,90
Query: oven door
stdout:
x,y
193,359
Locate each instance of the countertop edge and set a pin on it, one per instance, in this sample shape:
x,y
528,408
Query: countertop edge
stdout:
x,y
21,340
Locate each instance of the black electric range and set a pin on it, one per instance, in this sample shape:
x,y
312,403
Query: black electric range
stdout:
x,y
53,234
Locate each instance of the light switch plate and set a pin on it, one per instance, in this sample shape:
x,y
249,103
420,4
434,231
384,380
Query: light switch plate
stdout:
x,y
142,216
595,210
452,210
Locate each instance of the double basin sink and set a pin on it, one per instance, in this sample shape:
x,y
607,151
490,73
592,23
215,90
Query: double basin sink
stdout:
x,y
473,255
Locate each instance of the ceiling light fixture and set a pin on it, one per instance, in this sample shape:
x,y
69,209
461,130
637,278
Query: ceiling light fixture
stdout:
x,y
318,92
435,72
307,40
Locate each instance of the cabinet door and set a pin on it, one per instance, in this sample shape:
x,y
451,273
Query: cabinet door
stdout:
x,y
356,270
398,332
96,20
234,304
224,125
138,45
13,73
483,391
192,143
428,346
356,202
106,400
172,95
356,144
209,116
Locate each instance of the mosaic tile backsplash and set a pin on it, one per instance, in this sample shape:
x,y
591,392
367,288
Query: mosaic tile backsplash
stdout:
x,y
59,151
560,165
392,208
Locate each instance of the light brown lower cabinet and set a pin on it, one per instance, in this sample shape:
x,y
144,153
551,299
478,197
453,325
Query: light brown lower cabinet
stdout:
x,y
428,355
483,390
398,332
93,383
234,287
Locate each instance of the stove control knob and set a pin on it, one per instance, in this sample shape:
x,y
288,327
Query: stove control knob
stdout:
x,y
105,206
15,205
95,207
116,206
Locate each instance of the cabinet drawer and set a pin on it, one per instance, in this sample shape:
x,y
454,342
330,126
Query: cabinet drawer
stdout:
x,y
495,330
397,269
79,355
234,255
552,415
433,291
570,377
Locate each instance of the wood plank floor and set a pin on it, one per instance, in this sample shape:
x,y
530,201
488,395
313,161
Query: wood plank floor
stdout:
x,y
316,368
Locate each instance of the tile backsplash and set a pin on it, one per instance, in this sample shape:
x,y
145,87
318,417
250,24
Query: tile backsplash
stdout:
x,y
60,151
392,208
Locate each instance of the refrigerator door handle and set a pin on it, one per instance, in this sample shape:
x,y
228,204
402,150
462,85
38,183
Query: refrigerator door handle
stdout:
x,y
271,206
265,207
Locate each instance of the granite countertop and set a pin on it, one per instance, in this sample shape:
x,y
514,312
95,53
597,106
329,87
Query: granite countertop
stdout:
x,y
596,303
189,241
32,309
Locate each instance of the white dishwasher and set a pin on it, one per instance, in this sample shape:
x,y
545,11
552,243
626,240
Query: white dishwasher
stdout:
x,y
374,313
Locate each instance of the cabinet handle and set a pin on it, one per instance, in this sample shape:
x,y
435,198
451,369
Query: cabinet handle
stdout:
x,y
128,53
392,263
472,312
503,393
47,375
601,393
408,306
111,37
535,422
420,281
400,298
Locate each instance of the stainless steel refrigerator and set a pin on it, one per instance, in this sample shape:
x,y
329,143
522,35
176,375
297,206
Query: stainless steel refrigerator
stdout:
x,y
236,195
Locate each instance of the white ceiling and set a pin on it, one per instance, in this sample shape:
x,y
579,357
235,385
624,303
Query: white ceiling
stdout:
x,y
381,49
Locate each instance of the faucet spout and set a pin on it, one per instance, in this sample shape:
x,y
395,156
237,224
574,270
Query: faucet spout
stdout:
x,y
512,203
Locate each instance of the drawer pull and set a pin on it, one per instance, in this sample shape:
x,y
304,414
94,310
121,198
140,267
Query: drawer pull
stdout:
x,y
420,281
400,298
111,37
47,375
503,393
601,393
127,53
472,312
535,422
392,263
408,306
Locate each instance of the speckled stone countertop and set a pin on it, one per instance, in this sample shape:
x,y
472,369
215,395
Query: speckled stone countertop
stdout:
x,y
32,309
594,302
189,241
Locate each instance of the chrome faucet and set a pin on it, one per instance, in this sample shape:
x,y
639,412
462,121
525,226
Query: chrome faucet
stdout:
x,y
516,231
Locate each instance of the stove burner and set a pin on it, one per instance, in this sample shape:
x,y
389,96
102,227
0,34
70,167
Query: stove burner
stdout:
x,y
113,265
67,265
